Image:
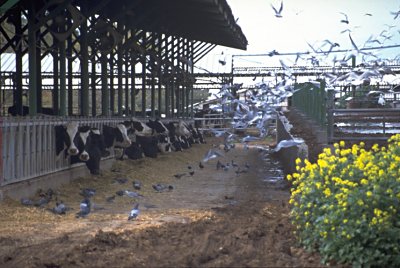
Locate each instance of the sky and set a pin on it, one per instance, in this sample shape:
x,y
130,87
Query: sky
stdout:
x,y
308,22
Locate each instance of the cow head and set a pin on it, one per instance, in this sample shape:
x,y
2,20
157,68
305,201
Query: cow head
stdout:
x,y
66,138
116,136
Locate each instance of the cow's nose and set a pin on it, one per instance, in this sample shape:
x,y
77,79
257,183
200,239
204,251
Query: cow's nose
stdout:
x,y
73,151
84,157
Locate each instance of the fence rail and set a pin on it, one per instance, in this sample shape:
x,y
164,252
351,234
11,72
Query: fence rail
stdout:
x,y
364,124
28,146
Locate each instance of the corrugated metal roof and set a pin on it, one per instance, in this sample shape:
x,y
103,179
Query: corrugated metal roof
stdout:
x,y
209,21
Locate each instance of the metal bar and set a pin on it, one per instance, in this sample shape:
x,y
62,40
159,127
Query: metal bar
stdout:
x,y
63,84
32,62
105,95
84,101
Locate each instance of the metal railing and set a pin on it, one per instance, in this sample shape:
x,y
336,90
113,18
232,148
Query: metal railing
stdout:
x,y
28,146
311,100
212,121
363,124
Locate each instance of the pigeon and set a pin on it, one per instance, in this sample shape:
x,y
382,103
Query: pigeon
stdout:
x,y
189,167
201,165
288,143
179,175
212,153
191,173
121,180
234,164
159,187
88,192
278,13
110,199
59,209
41,202
84,208
132,194
134,212
137,184
219,165
345,20
26,202
119,193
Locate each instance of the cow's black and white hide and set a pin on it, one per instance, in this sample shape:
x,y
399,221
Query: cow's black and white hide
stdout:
x,y
139,128
117,136
162,133
174,139
67,138
134,151
149,145
91,147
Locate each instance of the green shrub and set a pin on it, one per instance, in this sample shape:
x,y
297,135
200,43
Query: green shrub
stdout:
x,y
346,205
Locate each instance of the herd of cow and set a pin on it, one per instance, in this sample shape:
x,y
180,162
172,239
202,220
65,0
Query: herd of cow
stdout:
x,y
131,139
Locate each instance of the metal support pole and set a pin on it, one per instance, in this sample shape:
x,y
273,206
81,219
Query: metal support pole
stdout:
x,y
112,89
105,94
70,77
32,61
84,109
63,85
93,82
119,68
133,84
56,88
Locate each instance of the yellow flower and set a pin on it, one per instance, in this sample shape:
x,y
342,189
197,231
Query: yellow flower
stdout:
x,y
327,192
369,194
342,144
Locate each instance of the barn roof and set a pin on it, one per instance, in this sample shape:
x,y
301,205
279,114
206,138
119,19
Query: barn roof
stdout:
x,y
209,21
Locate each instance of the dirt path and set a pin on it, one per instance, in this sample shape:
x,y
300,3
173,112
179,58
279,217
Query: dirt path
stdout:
x,y
213,218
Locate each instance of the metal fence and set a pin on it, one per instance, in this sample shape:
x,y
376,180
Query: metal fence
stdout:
x,y
311,100
28,146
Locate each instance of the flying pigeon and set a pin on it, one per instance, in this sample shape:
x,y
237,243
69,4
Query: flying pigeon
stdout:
x,y
288,143
278,13
212,153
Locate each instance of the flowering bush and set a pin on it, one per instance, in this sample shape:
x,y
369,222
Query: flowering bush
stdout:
x,y
347,205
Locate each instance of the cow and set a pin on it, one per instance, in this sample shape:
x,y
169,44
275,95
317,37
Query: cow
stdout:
x,y
116,136
149,145
162,132
139,128
81,144
134,151
67,138
92,148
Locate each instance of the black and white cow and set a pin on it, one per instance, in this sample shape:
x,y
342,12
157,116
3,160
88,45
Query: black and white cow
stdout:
x,y
82,144
149,145
162,133
67,138
134,151
116,136
92,148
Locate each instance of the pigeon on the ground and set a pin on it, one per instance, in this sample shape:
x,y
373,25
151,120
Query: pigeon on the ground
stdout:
x,y
84,208
159,187
110,199
137,184
26,202
121,180
179,175
201,165
132,194
60,208
134,212
88,192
